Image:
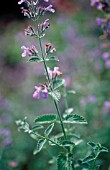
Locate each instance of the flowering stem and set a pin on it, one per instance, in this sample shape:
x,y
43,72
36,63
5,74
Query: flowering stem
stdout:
x,y
45,66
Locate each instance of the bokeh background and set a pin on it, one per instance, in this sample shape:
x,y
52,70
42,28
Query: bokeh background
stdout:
x,y
75,35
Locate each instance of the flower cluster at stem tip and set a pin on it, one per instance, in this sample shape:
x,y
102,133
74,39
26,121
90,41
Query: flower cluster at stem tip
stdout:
x,y
34,11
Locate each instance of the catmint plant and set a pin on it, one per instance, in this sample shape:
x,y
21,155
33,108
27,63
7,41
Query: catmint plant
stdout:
x,y
64,140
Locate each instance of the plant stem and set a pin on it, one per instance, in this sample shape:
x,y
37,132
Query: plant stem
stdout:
x,y
45,66
44,137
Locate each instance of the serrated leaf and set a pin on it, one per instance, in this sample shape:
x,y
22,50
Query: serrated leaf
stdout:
x,y
34,128
58,83
49,129
46,118
35,59
52,58
97,148
55,95
39,146
74,118
63,162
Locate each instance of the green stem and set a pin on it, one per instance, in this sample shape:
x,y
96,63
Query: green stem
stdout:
x,y
44,137
45,66
59,114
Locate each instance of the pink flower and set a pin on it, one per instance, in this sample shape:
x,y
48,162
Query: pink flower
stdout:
x,y
37,92
50,9
29,31
29,51
54,73
40,90
49,48
45,93
26,51
43,26
21,1
100,21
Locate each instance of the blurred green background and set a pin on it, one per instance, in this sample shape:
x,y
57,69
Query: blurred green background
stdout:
x,y
75,35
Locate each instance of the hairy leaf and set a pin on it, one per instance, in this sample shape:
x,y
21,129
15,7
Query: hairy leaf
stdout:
x,y
39,146
54,58
58,83
34,128
74,118
55,95
49,118
49,129
35,59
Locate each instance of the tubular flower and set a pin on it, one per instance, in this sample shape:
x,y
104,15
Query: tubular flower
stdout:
x,y
43,26
29,31
45,93
29,51
49,48
50,9
42,89
54,73
26,51
37,92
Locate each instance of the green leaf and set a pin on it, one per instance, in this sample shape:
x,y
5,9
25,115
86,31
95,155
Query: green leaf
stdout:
x,y
54,58
49,118
49,129
92,144
88,159
55,95
39,146
58,83
103,149
35,59
33,136
34,128
63,162
68,143
74,118
97,148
